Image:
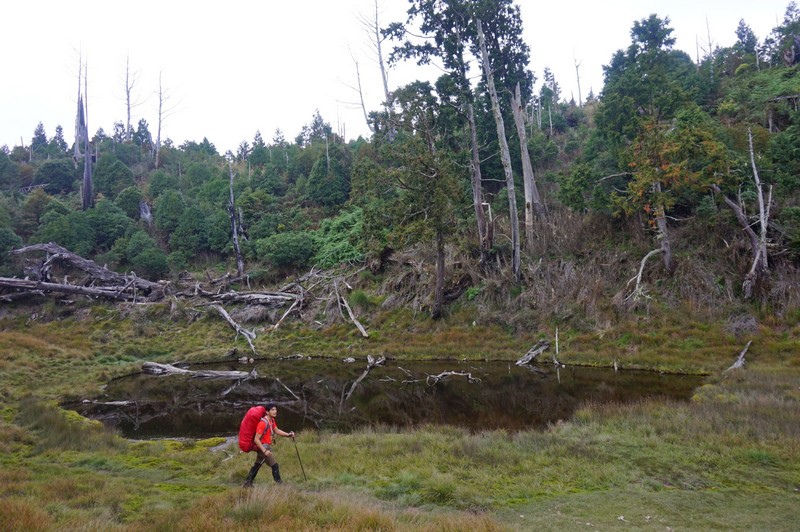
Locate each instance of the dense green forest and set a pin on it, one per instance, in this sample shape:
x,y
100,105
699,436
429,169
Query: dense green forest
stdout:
x,y
664,159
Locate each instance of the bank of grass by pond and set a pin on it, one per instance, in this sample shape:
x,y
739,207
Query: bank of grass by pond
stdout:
x,y
730,458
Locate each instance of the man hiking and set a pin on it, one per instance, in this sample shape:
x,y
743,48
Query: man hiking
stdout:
x,y
262,443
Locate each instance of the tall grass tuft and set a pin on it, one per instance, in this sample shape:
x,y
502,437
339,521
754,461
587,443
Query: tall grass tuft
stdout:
x,y
58,429
18,513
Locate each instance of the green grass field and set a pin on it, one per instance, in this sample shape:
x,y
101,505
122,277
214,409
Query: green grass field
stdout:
x,y
728,459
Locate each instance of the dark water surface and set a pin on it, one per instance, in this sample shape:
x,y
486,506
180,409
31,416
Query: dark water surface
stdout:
x,y
310,393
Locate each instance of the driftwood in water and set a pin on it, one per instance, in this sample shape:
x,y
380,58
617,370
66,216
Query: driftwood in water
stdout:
x,y
154,368
538,348
371,363
740,360
435,379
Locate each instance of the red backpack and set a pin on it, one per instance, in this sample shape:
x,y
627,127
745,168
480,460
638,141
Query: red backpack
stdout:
x,y
247,430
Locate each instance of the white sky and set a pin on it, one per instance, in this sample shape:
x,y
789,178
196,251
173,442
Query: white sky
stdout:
x,y
231,68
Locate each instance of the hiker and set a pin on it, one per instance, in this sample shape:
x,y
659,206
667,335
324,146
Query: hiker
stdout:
x,y
262,444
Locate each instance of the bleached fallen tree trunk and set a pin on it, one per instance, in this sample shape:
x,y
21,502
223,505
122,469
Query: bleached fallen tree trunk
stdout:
x,y
41,287
248,335
432,380
740,360
154,368
56,253
343,302
538,348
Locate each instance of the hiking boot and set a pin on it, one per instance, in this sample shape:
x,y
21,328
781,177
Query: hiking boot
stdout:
x,y
276,474
251,476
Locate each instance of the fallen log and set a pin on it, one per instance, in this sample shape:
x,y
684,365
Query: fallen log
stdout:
x,y
537,349
154,368
353,318
94,270
273,299
432,380
28,286
248,335
740,360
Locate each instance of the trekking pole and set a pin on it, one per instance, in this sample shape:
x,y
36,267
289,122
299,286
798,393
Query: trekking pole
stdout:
x,y
298,459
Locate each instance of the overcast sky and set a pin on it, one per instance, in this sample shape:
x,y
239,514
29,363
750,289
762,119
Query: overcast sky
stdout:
x,y
232,68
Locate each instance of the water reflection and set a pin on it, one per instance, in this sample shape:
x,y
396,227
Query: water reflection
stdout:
x,y
311,394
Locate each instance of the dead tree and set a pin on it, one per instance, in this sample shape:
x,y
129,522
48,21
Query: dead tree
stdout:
x,y
371,364
504,153
234,228
154,368
432,380
538,348
248,335
163,113
578,78
83,150
638,290
532,200
740,359
759,268
97,274
372,28
130,82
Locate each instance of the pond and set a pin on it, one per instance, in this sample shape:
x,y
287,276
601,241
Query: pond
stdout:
x,y
312,393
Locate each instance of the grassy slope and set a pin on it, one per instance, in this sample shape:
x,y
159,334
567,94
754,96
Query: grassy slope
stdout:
x,y
730,459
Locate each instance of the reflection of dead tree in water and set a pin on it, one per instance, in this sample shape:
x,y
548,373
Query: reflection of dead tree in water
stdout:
x,y
371,363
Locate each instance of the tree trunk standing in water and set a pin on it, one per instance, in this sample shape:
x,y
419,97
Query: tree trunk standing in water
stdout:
x,y
504,154
532,200
234,228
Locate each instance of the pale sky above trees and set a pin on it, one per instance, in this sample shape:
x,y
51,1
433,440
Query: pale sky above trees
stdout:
x,y
230,69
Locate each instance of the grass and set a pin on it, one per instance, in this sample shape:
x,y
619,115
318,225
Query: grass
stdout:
x,y
729,459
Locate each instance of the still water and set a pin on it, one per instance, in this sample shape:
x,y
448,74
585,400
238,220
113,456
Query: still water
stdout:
x,y
310,393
